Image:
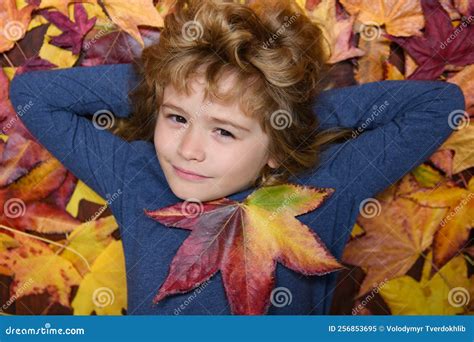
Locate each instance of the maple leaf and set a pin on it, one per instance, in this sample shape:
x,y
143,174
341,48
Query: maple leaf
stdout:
x,y
128,15
40,217
400,18
116,47
465,80
244,240
443,160
62,195
461,142
33,64
62,5
88,241
37,269
437,47
393,241
20,155
37,184
104,288
13,23
406,296
455,226
73,32
337,32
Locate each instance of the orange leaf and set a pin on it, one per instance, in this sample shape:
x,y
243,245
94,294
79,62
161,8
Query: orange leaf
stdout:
x,y
13,23
394,240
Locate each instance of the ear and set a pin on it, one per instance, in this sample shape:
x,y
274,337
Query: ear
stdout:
x,y
272,163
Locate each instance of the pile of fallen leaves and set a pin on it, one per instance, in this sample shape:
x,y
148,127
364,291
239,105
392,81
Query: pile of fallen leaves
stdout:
x,y
411,252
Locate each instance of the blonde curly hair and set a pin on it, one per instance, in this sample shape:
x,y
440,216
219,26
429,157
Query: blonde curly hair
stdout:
x,y
277,55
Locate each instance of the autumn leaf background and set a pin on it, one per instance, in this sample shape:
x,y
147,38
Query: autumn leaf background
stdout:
x,y
411,250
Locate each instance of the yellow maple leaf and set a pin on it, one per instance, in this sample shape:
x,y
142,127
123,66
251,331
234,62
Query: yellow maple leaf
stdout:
x,y
62,5
446,293
104,289
400,18
87,241
128,15
36,269
458,221
462,143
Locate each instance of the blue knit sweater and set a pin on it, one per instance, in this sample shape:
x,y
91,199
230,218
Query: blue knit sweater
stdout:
x,y
397,125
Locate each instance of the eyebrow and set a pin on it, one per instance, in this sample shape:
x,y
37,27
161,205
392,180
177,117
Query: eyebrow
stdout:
x,y
221,121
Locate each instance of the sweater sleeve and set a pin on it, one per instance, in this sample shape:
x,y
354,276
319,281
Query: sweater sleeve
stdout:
x,y
58,103
396,126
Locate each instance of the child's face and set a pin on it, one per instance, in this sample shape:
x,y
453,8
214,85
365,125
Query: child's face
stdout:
x,y
188,137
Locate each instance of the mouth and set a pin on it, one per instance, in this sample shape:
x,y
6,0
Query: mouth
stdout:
x,y
188,175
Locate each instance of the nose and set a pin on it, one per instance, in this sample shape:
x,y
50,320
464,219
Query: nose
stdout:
x,y
191,146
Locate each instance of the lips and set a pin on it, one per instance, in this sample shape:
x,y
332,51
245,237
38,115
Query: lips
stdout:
x,y
188,174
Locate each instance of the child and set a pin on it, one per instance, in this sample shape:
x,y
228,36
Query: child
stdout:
x,y
207,106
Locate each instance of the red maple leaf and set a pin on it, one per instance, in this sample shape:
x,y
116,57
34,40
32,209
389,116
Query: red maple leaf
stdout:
x,y
244,241
441,44
73,32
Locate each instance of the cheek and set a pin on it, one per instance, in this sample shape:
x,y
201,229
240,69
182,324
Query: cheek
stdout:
x,y
162,138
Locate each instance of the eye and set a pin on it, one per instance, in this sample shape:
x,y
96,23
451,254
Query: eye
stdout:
x,y
176,118
225,133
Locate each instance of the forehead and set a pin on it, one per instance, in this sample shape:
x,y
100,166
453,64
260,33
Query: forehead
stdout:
x,y
196,104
